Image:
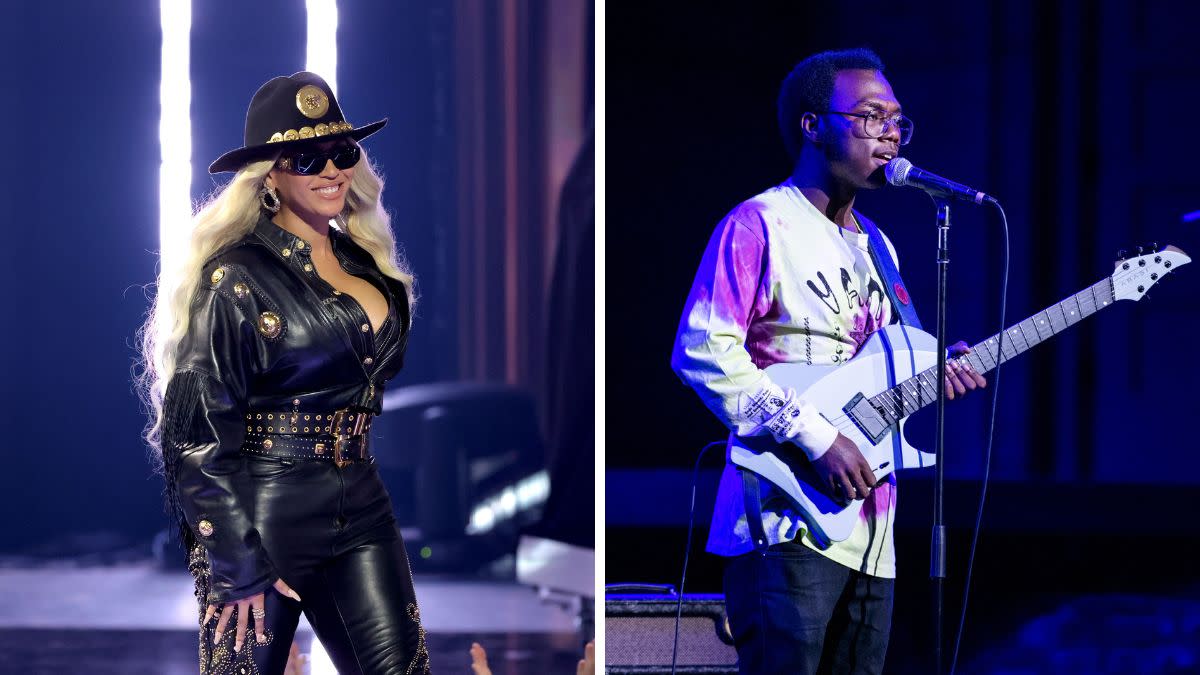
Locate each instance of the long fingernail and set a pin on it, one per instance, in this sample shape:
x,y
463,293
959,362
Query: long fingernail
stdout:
x,y
237,646
295,596
217,637
261,638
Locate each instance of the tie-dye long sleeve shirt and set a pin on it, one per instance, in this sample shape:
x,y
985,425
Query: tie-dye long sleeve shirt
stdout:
x,y
780,282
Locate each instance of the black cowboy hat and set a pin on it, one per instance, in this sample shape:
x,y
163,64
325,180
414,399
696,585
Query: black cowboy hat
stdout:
x,y
287,111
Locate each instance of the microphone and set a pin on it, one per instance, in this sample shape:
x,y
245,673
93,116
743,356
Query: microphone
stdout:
x,y
901,172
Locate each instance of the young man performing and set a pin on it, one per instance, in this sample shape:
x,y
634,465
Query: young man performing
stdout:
x,y
788,277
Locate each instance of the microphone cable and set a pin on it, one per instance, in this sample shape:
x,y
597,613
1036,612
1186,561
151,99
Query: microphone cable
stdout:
x,y
987,462
687,551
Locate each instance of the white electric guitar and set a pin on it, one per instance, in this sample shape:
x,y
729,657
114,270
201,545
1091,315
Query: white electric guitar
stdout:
x,y
860,399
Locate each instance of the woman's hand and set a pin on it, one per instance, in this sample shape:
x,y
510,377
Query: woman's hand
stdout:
x,y
246,607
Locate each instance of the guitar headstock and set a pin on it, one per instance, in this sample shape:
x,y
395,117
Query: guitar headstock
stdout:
x,y
1135,275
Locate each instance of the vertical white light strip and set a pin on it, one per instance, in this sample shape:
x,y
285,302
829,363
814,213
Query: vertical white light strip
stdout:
x,y
321,58
322,40
174,130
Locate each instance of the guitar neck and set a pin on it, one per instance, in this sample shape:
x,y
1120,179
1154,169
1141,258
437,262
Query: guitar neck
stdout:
x,y
1042,326
920,390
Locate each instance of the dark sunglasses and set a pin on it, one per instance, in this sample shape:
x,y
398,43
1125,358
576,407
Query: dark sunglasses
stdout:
x,y
312,163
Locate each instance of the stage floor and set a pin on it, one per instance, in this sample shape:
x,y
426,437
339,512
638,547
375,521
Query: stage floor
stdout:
x,y
136,618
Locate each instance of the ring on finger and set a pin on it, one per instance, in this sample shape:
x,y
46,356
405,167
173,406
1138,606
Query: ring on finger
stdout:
x,y
258,612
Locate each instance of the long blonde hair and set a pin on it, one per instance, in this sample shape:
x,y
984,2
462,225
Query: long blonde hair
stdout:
x,y
227,216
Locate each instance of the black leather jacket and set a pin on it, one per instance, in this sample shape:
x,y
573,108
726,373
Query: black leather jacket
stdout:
x,y
266,333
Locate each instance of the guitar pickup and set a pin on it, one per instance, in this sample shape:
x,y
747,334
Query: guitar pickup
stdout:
x,y
866,418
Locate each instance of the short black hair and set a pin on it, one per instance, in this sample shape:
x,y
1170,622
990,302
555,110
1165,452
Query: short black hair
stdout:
x,y
809,87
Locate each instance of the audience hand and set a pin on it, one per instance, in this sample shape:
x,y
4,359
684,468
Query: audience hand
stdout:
x,y
587,666
479,664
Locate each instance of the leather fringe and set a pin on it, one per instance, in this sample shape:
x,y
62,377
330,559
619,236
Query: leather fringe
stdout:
x,y
180,405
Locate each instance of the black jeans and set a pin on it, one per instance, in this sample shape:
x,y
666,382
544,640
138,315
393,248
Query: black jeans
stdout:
x,y
793,611
331,536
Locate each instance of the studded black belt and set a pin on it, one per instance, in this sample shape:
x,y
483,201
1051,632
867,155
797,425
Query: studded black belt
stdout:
x,y
341,436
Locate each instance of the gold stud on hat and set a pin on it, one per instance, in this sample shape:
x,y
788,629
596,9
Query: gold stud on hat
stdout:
x,y
312,102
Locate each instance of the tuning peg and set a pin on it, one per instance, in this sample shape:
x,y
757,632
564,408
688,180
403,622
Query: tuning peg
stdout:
x,y
1140,250
1122,254
1152,247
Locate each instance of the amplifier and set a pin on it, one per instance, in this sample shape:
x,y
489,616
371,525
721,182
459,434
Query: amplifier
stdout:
x,y
639,631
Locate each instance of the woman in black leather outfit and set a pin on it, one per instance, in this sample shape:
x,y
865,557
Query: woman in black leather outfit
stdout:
x,y
267,352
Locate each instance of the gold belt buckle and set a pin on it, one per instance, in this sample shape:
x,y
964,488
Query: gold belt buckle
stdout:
x,y
339,445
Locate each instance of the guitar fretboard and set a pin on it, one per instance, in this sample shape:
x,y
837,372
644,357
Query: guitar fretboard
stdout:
x,y
918,391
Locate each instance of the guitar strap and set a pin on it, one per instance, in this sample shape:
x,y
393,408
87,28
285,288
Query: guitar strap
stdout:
x,y
752,498
901,305
888,274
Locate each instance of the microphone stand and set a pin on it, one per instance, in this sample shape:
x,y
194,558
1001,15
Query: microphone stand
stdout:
x,y
937,563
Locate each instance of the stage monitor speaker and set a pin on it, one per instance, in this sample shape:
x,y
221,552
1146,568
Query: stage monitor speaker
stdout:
x,y
639,631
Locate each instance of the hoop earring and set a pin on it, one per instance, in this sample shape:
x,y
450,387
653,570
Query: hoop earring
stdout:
x,y
269,199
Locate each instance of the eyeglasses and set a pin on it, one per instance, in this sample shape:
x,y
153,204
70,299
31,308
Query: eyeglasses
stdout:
x,y
876,125
312,163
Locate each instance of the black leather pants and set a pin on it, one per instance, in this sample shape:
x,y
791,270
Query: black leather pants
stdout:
x,y
332,537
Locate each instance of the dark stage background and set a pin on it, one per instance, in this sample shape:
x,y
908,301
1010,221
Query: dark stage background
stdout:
x,y
1075,115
